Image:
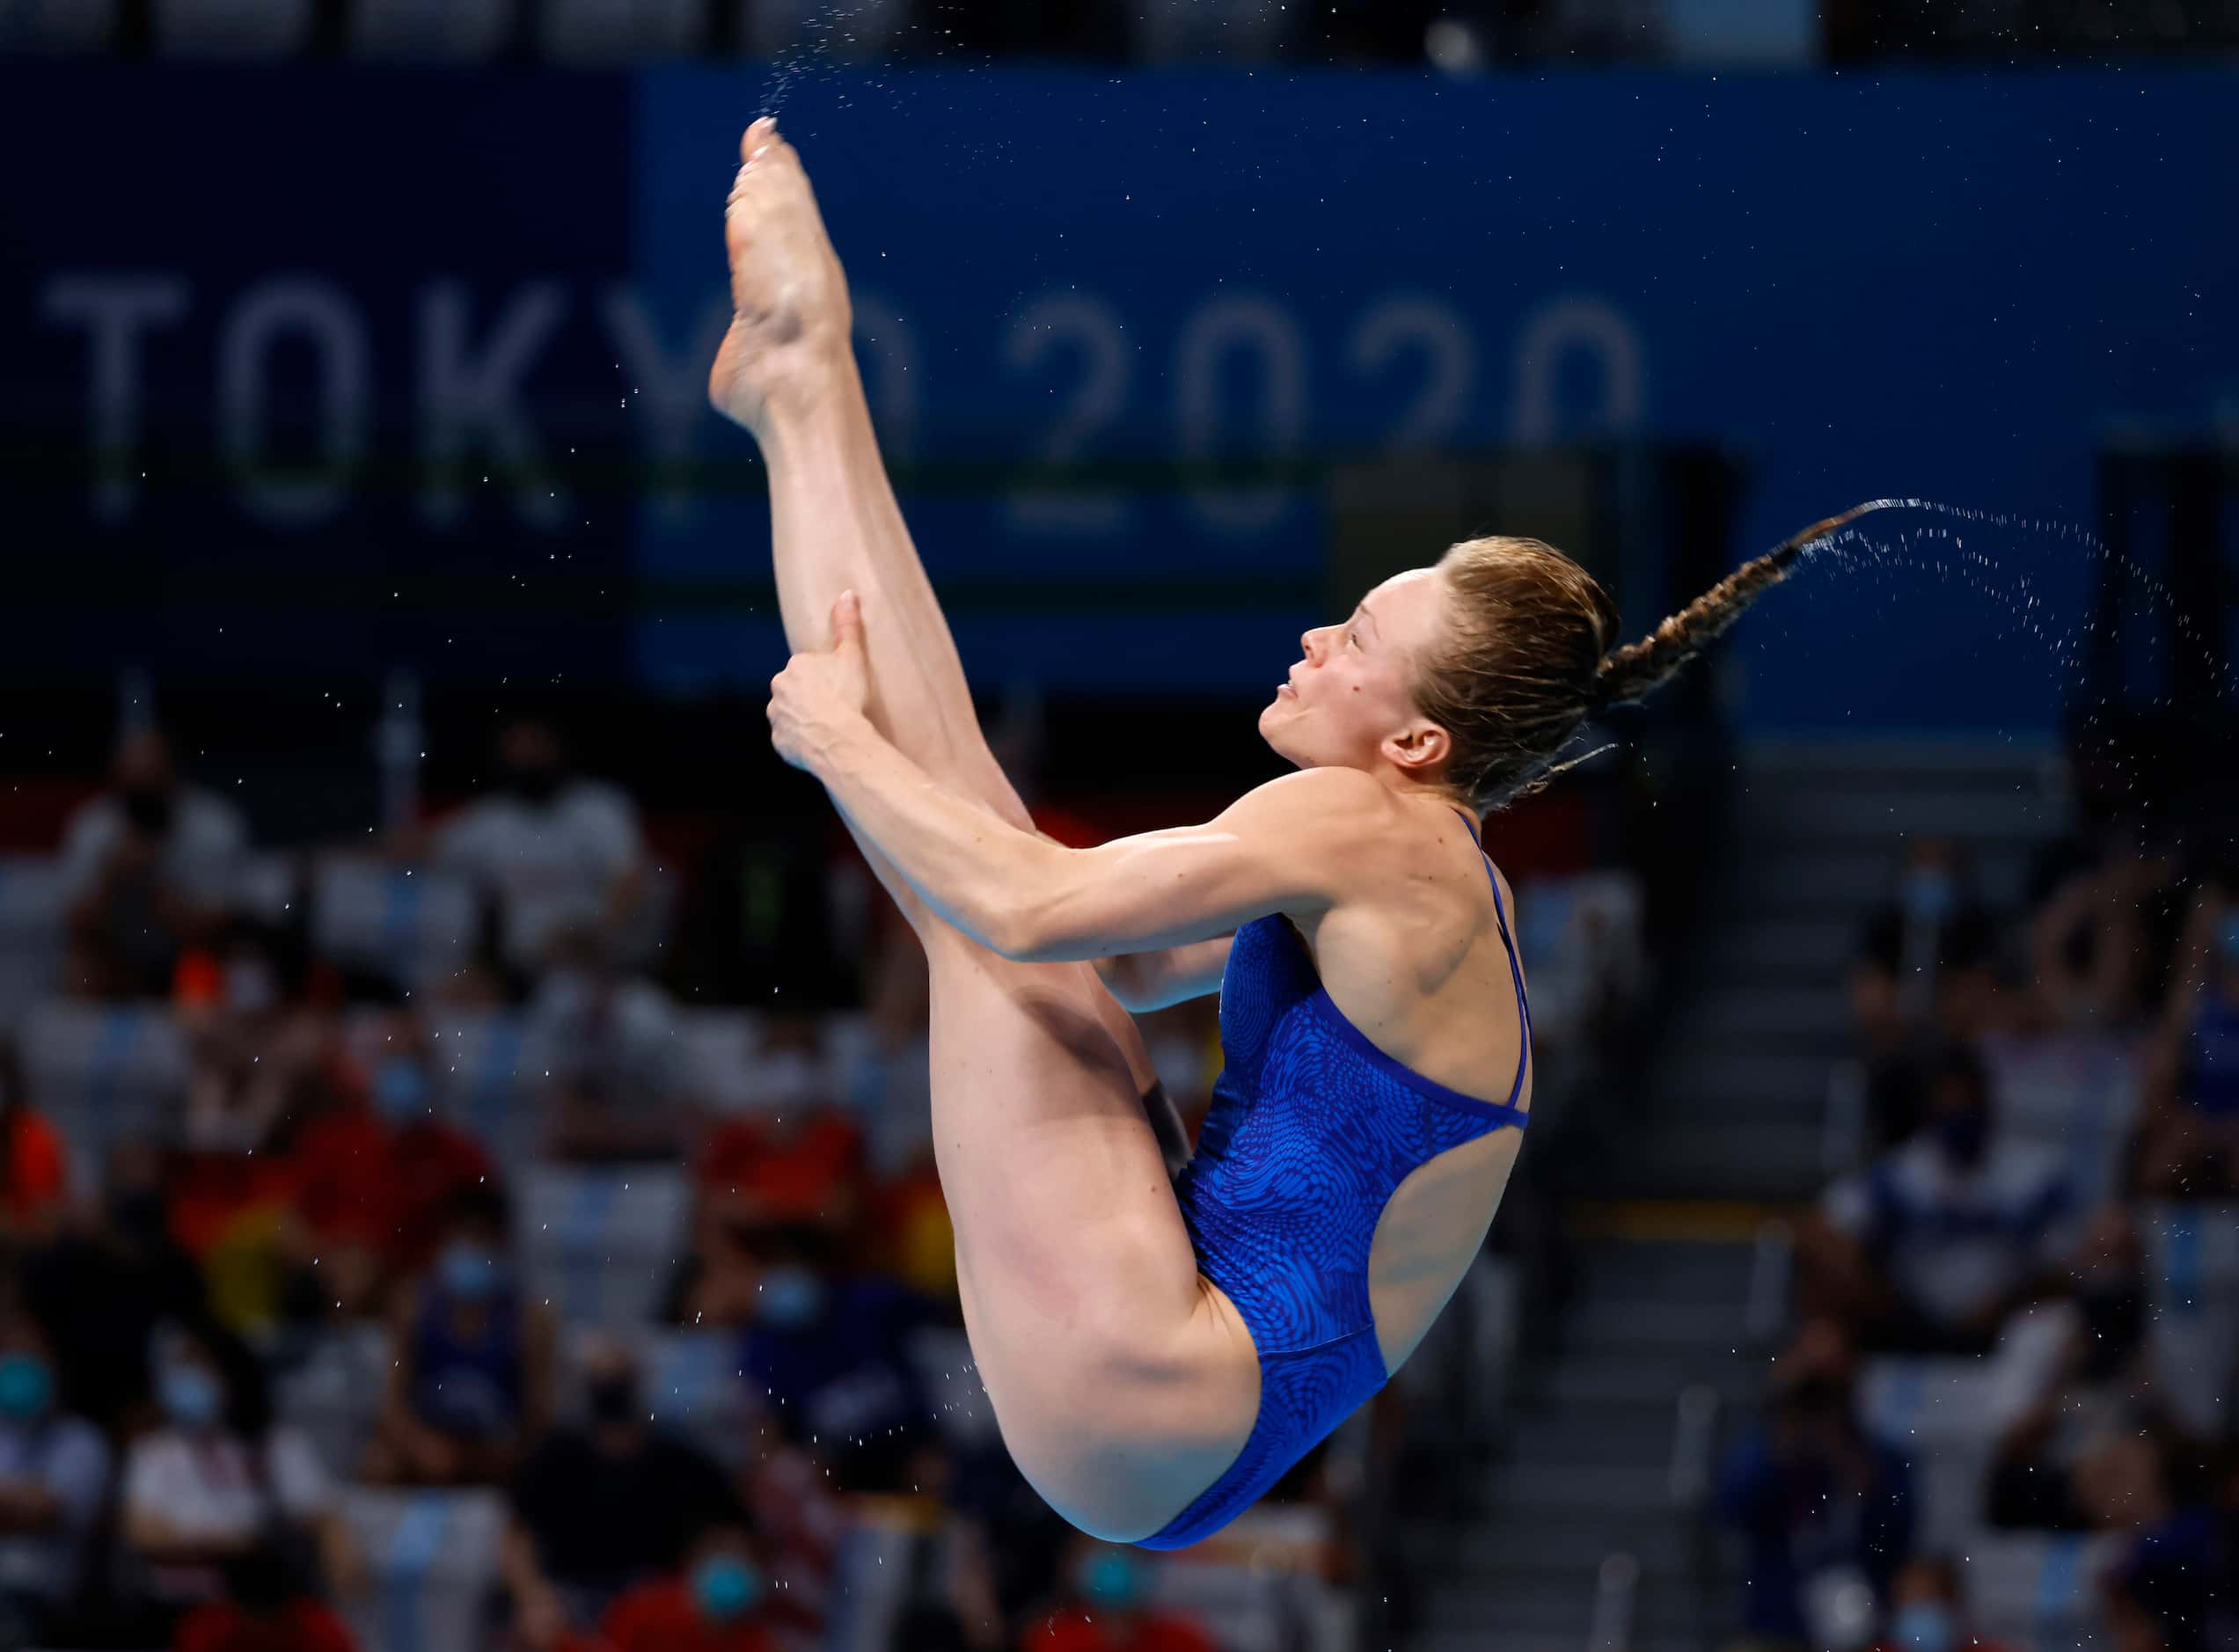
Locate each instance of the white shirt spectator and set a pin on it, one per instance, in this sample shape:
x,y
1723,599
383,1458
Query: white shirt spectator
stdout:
x,y
202,849
550,865
209,1487
66,1458
1953,1240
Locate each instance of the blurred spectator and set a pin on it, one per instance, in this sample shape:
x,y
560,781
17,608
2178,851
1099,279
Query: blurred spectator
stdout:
x,y
2088,945
266,1608
471,1387
379,1174
2159,1590
148,868
2189,1137
101,1290
218,1483
2097,1382
1926,1613
1931,1246
1104,1606
617,1073
600,1509
54,1485
834,1350
1925,973
33,1164
716,1601
1814,1497
549,848
259,1056
795,1158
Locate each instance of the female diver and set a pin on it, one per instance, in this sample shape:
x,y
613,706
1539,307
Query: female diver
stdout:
x,y
1159,1348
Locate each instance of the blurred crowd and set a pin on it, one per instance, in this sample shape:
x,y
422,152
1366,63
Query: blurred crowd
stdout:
x,y
2018,1307
390,1258
1456,36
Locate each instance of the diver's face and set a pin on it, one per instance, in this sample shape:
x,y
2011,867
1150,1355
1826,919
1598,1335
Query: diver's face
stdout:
x,y
1352,690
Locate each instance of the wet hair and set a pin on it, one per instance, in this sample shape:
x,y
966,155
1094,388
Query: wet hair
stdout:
x,y
1525,656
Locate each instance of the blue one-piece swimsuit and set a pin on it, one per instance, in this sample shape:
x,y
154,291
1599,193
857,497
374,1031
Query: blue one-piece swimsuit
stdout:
x,y
1313,1129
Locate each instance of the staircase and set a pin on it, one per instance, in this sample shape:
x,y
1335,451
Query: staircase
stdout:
x,y
1730,1128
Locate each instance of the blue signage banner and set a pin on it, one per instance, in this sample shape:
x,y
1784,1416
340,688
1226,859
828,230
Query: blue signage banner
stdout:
x,y
265,332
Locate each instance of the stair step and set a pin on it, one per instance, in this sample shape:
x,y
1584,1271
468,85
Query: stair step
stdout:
x,y
1622,1493
1769,1159
1736,1015
1744,1084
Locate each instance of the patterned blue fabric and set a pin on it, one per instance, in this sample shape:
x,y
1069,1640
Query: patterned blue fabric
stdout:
x,y
1313,1128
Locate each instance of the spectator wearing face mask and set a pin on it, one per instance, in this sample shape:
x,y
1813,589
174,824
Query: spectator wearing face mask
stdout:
x,y
1104,1606
834,1350
148,868
2189,1137
102,1292
718,1601
471,1384
1926,1613
548,848
797,1158
54,1482
1818,1500
599,1509
217,1483
1933,1245
2098,1381
1923,973
377,1175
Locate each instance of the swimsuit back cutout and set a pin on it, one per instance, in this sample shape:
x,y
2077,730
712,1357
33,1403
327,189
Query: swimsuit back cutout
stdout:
x,y
1313,1129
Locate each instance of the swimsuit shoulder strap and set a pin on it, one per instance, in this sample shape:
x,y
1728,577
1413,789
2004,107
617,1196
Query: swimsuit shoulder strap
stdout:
x,y
1515,969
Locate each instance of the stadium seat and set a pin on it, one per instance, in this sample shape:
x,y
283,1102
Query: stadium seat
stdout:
x,y
101,1071
232,28
2192,1281
487,1067
330,1387
1945,1416
718,1065
433,1559
943,1359
602,1244
2040,1593
414,925
2074,1093
621,31
56,26
690,1383
31,929
445,31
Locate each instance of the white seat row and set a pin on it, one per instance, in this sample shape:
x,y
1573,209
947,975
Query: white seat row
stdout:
x,y
2076,1094
433,1556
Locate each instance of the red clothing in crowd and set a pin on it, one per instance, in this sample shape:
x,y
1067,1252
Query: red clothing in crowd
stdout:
x,y
360,1181
660,1617
787,1171
306,1626
1074,1630
36,1168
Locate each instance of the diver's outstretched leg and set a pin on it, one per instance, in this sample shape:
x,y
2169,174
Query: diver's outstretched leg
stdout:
x,y
1123,1382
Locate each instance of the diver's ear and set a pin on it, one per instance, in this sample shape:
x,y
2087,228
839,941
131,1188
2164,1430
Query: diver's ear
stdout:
x,y
1419,747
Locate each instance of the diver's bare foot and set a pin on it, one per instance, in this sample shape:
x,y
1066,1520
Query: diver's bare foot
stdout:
x,y
790,315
